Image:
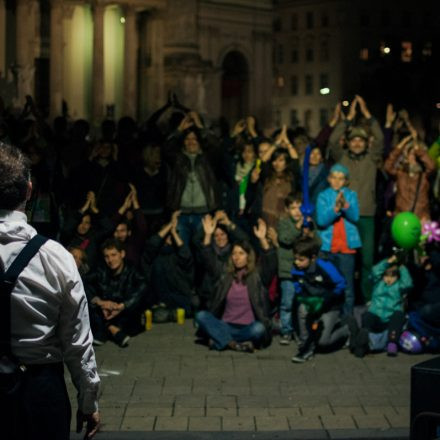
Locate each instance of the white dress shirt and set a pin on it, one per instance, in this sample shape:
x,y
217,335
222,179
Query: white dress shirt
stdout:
x,y
50,318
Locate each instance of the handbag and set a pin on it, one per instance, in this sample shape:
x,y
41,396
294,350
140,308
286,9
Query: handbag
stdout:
x,y
11,370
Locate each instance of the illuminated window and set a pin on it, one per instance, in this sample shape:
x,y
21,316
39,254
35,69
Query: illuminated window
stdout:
x,y
363,55
280,81
406,54
384,49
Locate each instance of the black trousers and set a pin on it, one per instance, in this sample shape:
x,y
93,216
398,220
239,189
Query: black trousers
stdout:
x,y
394,325
40,410
430,313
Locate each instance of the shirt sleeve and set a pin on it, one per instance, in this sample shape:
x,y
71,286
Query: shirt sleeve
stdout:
x,y
76,339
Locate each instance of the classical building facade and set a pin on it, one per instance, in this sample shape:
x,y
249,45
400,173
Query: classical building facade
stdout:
x,y
121,57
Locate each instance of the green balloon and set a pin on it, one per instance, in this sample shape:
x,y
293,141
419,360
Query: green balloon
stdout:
x,y
406,229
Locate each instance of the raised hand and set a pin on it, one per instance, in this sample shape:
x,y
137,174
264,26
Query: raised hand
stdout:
x,y
260,230
185,123
196,119
352,111
209,224
239,127
390,116
363,107
336,115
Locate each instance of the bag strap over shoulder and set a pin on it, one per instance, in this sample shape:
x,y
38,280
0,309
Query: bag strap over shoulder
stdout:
x,y
7,283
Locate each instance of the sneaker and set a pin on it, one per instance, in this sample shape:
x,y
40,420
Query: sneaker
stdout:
x,y
303,355
285,339
242,347
121,339
392,349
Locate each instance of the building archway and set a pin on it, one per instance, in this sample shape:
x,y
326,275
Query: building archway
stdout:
x,y
235,86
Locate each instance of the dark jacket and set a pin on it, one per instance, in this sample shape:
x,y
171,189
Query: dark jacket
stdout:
x,y
321,279
129,287
257,283
180,165
170,272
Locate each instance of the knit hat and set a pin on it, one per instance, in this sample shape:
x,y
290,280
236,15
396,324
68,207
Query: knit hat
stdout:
x,y
357,132
339,168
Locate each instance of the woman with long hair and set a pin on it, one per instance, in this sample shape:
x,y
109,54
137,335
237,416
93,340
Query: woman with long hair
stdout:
x,y
238,313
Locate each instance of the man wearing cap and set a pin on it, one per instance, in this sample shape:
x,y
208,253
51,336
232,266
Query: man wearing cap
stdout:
x,y
362,157
48,322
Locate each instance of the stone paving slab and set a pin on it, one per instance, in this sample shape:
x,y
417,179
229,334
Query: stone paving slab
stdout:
x,y
165,383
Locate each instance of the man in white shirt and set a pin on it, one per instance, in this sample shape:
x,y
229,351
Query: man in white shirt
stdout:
x,y
49,323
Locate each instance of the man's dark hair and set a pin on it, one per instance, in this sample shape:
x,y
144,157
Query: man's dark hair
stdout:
x,y
306,247
112,243
14,177
293,197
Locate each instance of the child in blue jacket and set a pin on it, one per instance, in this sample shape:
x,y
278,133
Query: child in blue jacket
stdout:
x,y
337,212
319,287
391,282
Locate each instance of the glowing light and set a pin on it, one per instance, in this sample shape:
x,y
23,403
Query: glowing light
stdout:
x,y
386,50
324,91
122,20
345,103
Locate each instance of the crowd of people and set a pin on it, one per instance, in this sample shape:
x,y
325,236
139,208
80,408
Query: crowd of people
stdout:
x,y
253,235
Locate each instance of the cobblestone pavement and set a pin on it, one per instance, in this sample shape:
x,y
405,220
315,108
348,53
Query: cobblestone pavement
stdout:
x,y
165,382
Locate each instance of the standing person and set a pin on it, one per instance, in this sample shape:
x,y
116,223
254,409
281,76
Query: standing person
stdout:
x,y
49,325
337,213
362,157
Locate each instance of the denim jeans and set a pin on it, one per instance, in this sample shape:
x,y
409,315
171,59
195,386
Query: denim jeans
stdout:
x,y
287,296
188,225
346,263
223,332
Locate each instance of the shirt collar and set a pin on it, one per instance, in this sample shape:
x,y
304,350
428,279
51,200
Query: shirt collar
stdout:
x,y
12,216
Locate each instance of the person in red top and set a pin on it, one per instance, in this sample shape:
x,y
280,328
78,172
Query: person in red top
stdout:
x,y
337,214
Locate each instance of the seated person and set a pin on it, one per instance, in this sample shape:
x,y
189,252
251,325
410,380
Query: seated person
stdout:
x,y
319,287
131,234
80,258
169,263
391,282
238,312
225,233
85,229
115,294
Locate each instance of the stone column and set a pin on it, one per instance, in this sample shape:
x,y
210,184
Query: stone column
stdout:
x,y
130,63
25,51
2,38
98,62
56,57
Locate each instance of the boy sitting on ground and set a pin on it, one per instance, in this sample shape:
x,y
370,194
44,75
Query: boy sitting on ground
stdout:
x,y
319,287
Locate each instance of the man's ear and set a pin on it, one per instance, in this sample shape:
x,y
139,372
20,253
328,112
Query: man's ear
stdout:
x,y
123,253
